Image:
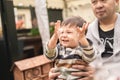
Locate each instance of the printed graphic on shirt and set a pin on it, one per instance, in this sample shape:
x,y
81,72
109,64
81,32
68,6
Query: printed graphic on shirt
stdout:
x,y
108,42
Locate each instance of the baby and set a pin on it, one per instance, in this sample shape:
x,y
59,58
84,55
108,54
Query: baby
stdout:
x,y
72,47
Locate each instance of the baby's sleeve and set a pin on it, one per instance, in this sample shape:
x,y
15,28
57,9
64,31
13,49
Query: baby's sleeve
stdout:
x,y
50,53
88,53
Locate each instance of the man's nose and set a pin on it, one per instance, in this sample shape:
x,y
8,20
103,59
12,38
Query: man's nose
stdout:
x,y
99,4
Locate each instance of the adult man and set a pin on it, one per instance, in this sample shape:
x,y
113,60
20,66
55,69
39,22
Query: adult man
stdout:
x,y
104,33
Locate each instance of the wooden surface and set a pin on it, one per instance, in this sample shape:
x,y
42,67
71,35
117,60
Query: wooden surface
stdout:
x,y
36,68
32,62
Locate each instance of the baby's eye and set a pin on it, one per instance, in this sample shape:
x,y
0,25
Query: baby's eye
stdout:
x,y
69,32
61,32
103,0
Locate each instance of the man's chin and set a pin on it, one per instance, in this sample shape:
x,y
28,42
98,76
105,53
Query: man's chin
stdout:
x,y
101,17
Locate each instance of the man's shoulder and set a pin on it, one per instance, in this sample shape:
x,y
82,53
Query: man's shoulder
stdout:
x,y
93,24
118,17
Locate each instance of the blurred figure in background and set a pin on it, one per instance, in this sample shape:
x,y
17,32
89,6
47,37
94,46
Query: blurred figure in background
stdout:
x,y
19,24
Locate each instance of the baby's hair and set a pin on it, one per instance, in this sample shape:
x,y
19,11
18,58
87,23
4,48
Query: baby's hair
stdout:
x,y
74,21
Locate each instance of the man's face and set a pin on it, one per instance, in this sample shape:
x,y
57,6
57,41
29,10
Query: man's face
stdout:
x,y
103,9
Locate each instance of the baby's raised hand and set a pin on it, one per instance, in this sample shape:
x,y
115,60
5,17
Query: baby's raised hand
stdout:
x,y
57,26
82,30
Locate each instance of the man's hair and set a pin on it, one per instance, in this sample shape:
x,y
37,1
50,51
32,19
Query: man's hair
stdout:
x,y
74,21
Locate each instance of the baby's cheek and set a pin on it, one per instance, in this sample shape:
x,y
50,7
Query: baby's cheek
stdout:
x,y
78,35
59,36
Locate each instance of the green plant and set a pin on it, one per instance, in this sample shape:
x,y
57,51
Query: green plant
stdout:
x,y
51,30
34,31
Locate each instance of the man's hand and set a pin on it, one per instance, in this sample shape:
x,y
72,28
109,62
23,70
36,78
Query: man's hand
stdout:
x,y
53,74
88,74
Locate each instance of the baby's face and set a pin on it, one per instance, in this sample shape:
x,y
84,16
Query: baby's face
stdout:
x,y
68,36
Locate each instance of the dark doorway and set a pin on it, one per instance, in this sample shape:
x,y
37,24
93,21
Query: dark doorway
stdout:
x,y
54,15
8,40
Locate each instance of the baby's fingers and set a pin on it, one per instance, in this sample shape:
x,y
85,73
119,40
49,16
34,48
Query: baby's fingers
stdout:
x,y
57,24
85,26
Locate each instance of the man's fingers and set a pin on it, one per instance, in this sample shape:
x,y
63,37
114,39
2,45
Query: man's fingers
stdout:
x,y
53,74
90,70
80,73
80,67
86,71
91,77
